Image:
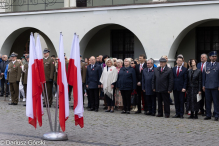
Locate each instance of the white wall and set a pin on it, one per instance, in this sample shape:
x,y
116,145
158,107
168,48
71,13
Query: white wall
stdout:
x,y
158,26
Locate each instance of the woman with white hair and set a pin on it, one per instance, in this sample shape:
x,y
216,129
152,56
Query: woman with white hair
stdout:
x,y
126,83
118,96
108,80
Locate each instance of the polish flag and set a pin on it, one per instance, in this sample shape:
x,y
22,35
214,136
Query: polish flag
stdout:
x,y
33,88
74,79
63,87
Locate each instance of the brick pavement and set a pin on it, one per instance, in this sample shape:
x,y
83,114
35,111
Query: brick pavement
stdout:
x,y
112,129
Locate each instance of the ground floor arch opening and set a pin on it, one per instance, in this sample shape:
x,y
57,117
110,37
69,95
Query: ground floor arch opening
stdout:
x,y
201,37
113,40
18,42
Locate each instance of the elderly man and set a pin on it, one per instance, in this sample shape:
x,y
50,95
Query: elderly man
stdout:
x,y
211,85
147,76
201,65
93,75
3,65
162,84
13,77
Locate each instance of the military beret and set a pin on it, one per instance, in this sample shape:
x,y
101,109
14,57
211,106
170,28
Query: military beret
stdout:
x,y
213,53
14,54
46,50
162,60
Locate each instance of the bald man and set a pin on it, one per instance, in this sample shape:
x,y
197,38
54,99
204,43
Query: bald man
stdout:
x,y
93,75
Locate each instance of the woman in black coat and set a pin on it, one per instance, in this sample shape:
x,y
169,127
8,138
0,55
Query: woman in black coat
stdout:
x,y
126,83
194,88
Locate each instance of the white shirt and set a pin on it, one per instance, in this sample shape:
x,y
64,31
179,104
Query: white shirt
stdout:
x,y
213,63
161,68
46,58
180,67
150,68
13,61
141,65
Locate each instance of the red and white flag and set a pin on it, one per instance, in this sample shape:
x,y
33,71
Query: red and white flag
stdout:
x,y
34,89
74,79
63,87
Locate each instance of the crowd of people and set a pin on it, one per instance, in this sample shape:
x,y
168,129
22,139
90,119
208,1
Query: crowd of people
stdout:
x,y
129,85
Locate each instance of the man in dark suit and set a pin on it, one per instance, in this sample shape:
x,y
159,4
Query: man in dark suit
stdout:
x,y
150,98
179,87
93,75
3,65
211,85
201,65
138,70
162,84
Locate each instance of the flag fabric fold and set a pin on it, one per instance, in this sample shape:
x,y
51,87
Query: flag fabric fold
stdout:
x,y
63,87
34,89
74,79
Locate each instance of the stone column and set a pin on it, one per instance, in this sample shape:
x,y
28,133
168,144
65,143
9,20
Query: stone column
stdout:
x,y
72,3
66,3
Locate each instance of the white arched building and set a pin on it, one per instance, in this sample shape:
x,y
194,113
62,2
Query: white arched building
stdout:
x,y
156,29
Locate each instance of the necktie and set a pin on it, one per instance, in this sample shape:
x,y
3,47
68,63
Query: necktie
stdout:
x,y
148,70
161,69
177,74
202,66
140,67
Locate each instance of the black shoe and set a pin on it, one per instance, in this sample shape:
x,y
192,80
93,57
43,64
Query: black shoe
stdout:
x,y
11,103
24,104
148,113
153,114
111,111
91,109
137,112
176,116
123,112
107,111
1,95
96,110
181,117
6,95
171,103
207,118
216,118
128,112
159,116
167,116
195,117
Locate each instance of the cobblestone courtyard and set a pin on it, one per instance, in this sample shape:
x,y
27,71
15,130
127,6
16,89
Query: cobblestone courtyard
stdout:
x,y
111,129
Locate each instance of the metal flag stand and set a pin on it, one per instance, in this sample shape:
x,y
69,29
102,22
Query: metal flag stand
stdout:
x,y
55,135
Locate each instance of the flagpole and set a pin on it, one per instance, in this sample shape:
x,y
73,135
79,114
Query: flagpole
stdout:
x,y
47,107
48,112
56,113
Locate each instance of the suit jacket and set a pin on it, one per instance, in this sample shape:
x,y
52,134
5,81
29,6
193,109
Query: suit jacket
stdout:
x,y
49,68
162,81
93,76
180,82
138,73
3,66
83,72
211,76
14,72
126,79
24,74
147,81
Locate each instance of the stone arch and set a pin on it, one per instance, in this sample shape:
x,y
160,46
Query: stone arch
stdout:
x,y
24,32
94,30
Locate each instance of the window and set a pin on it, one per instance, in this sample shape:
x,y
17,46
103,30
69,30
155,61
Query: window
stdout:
x,y
122,44
207,40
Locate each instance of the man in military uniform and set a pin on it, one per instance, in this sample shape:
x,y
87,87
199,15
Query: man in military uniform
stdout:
x,y
24,76
13,77
211,85
49,68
